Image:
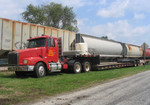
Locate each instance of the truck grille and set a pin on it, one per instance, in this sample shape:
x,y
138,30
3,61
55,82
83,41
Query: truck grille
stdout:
x,y
13,58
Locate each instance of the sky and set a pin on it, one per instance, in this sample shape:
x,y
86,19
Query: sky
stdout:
x,y
126,21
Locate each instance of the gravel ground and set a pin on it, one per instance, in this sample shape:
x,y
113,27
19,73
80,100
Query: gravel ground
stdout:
x,y
134,90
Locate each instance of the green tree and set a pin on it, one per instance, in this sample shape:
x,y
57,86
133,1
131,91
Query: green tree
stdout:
x,y
69,21
54,15
104,37
34,14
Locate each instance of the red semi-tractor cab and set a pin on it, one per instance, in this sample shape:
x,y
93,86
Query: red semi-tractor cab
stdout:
x,y
43,54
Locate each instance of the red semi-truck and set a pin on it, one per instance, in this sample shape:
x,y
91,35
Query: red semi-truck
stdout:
x,y
44,53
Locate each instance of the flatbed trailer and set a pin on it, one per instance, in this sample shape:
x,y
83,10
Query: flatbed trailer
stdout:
x,y
111,65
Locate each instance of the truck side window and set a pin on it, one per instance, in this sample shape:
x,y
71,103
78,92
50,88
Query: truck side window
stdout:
x,y
51,42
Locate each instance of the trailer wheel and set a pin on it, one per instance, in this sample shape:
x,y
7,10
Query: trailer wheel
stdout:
x,y
86,66
77,68
39,70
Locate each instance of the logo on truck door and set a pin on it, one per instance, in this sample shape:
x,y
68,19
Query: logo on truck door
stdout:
x,y
50,53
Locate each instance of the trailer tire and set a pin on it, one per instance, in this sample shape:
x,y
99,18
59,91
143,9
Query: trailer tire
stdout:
x,y
77,68
39,70
86,66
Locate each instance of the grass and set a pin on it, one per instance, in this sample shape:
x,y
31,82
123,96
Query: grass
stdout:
x,y
14,90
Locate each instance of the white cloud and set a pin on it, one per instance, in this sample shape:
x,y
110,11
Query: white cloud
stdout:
x,y
12,9
119,7
116,9
112,30
81,22
139,16
139,5
83,27
102,2
121,30
76,3
71,3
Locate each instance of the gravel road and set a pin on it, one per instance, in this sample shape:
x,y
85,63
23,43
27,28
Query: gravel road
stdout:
x,y
134,90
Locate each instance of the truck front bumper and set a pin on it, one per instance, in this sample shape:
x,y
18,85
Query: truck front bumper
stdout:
x,y
21,68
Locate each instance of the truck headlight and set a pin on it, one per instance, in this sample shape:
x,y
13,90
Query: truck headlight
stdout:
x,y
25,61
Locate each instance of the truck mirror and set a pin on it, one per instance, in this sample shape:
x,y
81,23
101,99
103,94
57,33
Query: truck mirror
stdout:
x,y
51,42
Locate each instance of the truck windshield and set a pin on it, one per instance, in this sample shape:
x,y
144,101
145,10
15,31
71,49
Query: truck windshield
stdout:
x,y
41,42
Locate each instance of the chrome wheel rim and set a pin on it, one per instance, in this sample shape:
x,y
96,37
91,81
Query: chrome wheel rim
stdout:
x,y
77,68
41,70
87,66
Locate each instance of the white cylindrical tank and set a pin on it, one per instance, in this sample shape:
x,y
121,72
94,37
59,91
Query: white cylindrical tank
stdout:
x,y
83,47
133,51
105,48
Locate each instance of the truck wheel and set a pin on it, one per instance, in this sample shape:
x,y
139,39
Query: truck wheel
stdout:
x,y
77,68
39,70
86,66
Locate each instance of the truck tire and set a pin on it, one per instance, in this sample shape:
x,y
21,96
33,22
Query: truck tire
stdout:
x,y
39,70
86,66
77,68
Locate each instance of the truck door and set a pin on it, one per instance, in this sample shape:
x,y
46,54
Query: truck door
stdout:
x,y
52,54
